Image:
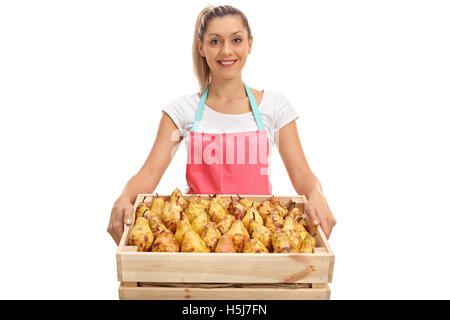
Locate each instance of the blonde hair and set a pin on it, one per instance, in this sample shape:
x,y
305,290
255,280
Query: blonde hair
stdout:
x,y
201,68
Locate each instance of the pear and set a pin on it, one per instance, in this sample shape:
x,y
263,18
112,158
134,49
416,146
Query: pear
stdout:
x,y
216,210
192,242
238,234
205,203
183,226
224,201
165,242
141,236
157,206
200,222
177,197
171,215
156,225
253,245
237,210
252,213
226,223
281,242
265,207
246,202
260,232
194,208
290,229
141,209
225,245
276,203
308,244
141,221
273,221
211,235
300,228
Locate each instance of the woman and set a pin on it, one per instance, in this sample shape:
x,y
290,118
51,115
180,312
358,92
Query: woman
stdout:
x,y
228,128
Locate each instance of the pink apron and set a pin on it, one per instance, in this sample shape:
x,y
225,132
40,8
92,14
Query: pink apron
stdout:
x,y
228,163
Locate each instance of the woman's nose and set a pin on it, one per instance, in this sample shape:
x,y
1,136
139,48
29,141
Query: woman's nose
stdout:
x,y
226,48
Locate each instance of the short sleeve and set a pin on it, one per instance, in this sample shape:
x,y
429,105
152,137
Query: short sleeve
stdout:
x,y
284,112
176,112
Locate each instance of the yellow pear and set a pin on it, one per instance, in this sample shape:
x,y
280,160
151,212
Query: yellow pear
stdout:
x,y
141,209
205,203
238,234
156,225
260,232
165,242
192,242
177,197
291,230
211,235
273,221
141,236
300,228
216,210
265,208
194,208
157,206
224,201
252,213
276,203
308,244
225,245
237,210
226,223
254,246
200,222
171,215
281,242
183,225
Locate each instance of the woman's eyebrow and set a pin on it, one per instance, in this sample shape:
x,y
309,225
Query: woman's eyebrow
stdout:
x,y
220,35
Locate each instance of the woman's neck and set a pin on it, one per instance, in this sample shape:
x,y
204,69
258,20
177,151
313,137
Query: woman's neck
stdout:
x,y
223,90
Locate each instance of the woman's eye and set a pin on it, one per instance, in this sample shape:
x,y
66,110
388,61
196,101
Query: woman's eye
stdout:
x,y
213,41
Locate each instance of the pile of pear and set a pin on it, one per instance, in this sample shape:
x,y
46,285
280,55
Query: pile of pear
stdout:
x,y
220,224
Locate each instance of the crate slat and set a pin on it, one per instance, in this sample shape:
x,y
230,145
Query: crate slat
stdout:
x,y
168,293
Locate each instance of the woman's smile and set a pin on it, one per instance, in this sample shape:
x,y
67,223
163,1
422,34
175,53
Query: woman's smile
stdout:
x,y
227,63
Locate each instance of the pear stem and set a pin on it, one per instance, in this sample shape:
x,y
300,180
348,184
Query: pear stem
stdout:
x,y
239,197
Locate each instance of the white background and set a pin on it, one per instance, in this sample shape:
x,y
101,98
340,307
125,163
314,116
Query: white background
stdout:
x,y
82,85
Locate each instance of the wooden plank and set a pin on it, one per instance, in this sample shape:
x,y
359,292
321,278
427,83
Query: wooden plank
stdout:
x,y
330,253
225,267
169,293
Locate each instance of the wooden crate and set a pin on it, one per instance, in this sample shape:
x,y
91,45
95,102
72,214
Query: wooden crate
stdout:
x,y
179,275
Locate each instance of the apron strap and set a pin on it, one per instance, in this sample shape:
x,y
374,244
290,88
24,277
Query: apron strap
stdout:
x,y
201,107
255,110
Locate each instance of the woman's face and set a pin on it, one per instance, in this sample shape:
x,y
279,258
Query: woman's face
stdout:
x,y
225,40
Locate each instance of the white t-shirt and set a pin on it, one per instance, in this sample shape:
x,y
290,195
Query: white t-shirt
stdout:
x,y
275,110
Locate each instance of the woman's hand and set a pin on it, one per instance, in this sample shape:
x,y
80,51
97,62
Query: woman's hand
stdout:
x,y
318,211
121,214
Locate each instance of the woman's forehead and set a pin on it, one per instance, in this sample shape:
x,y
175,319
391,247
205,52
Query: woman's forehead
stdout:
x,y
227,25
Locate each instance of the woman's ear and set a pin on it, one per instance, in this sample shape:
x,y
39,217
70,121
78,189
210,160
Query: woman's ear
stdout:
x,y
200,49
250,42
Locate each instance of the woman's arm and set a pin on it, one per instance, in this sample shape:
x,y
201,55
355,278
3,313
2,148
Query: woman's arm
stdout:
x,y
303,179
147,178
